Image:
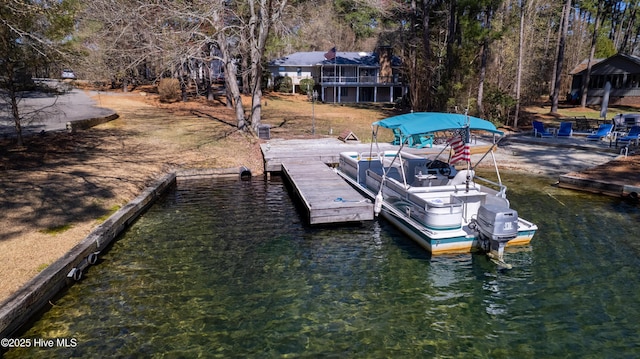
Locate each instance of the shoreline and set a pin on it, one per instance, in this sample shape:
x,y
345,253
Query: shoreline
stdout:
x,y
59,190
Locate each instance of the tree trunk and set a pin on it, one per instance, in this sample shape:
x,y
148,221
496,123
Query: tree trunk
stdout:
x,y
246,81
520,64
629,30
259,25
183,89
451,36
483,74
230,75
426,10
555,63
12,98
585,79
565,29
209,85
483,63
16,117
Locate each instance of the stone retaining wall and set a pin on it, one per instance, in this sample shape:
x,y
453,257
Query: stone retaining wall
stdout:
x,y
90,122
34,296
37,293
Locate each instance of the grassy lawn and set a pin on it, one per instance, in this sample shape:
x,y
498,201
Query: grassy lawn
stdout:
x,y
294,116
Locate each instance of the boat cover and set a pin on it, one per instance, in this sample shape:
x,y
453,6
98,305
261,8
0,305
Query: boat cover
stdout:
x,y
425,122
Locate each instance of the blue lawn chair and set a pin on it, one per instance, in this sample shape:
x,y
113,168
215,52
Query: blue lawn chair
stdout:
x,y
422,140
539,130
565,129
398,139
633,135
603,131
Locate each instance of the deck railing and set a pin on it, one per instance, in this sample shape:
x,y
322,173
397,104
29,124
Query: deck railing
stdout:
x,y
360,79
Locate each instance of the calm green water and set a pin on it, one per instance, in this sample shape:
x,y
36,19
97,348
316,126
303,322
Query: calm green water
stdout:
x,y
228,269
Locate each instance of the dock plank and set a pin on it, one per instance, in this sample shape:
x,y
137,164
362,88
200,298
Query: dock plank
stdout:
x,y
326,197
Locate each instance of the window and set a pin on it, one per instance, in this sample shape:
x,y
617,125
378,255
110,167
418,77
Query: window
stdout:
x,y
344,91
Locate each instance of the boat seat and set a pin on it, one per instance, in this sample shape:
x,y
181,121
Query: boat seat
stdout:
x,y
461,177
394,172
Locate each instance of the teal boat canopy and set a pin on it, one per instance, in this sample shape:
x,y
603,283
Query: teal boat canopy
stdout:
x,y
425,122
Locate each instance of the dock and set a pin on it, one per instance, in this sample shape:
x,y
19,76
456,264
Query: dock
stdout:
x,y
326,150
326,197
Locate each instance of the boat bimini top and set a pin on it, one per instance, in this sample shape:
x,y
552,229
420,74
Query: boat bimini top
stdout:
x,y
418,123
425,122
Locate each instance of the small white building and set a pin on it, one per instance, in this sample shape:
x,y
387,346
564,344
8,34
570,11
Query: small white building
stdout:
x,y
345,77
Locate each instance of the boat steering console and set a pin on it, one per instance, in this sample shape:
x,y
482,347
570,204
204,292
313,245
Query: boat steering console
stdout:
x,y
442,168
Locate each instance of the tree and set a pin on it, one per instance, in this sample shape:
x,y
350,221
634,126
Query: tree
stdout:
x,y
451,49
559,60
130,40
594,41
31,32
484,53
239,30
521,51
262,15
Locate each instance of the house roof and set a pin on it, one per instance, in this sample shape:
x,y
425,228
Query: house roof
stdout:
x,y
618,63
316,58
583,66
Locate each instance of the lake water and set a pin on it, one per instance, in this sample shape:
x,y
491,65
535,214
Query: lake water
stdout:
x,y
228,269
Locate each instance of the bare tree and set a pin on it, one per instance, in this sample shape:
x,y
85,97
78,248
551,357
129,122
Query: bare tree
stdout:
x,y
565,29
594,40
521,51
484,50
240,30
29,31
262,15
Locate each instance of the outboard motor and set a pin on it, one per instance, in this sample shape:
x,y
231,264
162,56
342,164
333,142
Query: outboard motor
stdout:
x,y
496,225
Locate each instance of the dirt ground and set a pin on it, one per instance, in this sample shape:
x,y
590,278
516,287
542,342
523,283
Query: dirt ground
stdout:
x,y
60,186
622,171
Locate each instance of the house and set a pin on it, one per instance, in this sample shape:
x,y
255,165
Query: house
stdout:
x,y
345,77
622,71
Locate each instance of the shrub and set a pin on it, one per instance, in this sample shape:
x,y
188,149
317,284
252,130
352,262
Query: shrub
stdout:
x,y
283,84
169,90
306,86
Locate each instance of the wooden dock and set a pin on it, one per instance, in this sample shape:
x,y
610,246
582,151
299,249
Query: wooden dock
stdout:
x,y
325,195
326,150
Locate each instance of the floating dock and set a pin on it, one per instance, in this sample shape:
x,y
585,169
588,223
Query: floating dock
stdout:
x,y
325,195
326,150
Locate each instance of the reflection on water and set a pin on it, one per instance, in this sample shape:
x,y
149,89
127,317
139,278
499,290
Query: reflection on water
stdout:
x,y
227,269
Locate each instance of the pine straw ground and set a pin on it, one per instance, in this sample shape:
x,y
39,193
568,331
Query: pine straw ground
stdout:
x,y
61,185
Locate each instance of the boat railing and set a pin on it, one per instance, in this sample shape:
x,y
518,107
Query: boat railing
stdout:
x,y
501,189
459,188
368,156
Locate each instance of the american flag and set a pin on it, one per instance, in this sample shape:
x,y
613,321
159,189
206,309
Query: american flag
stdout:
x,y
331,54
461,151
